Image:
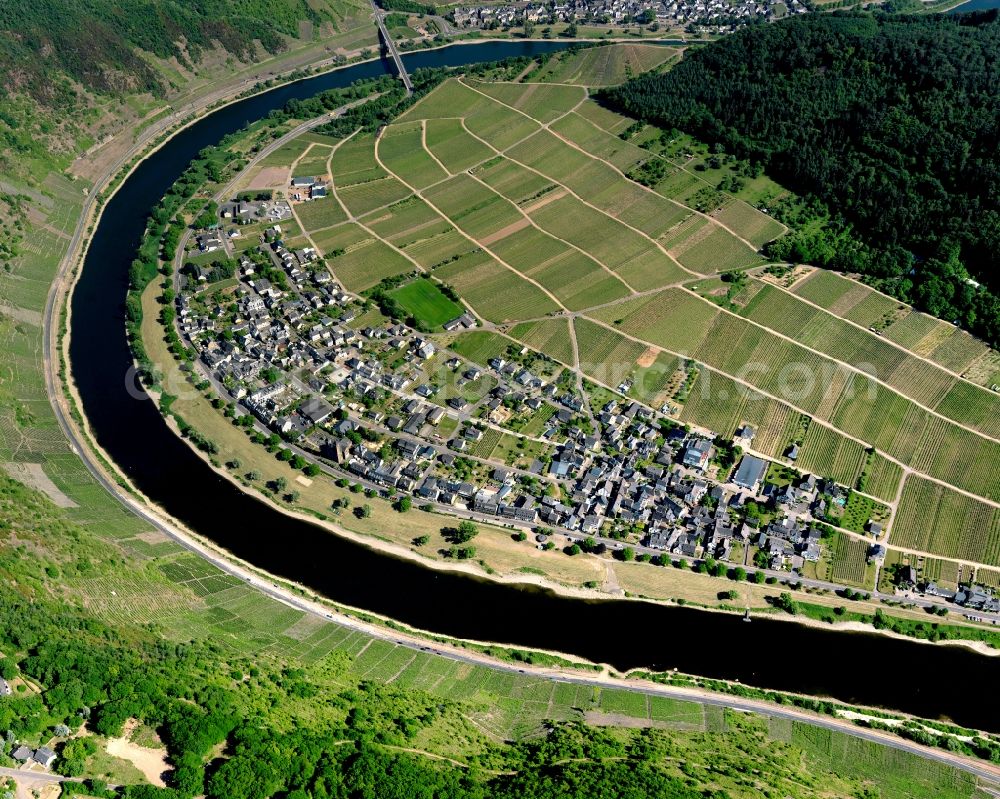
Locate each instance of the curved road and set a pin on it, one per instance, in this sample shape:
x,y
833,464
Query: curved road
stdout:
x,y
288,597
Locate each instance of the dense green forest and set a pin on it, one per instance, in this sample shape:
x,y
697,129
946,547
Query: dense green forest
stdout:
x,y
217,714
886,124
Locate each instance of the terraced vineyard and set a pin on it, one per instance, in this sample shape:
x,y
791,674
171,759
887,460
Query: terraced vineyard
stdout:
x,y
850,561
517,195
933,518
603,66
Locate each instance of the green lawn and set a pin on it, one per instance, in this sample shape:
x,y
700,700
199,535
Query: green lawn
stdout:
x,y
425,301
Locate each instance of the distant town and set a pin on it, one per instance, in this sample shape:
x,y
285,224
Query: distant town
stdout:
x,y
509,436
715,15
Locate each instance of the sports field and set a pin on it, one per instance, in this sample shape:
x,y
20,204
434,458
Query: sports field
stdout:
x,y
425,302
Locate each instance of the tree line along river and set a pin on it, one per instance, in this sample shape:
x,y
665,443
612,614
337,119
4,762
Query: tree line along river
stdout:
x,y
930,681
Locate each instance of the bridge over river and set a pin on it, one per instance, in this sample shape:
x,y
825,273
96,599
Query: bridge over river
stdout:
x,y
391,47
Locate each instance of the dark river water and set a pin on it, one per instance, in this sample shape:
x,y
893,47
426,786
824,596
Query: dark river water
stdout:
x,y
857,667
975,5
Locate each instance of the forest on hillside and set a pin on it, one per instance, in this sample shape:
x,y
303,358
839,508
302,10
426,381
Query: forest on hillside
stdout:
x,y
889,124
94,42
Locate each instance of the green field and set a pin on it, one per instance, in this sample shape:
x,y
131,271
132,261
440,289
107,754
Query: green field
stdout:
x,y
318,214
596,141
357,260
933,518
542,103
604,118
454,146
850,562
881,477
550,336
672,319
480,345
401,151
746,221
606,356
495,292
354,161
608,65
899,775
424,300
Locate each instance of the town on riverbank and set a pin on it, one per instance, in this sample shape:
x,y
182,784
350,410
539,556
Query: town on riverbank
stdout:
x,y
379,388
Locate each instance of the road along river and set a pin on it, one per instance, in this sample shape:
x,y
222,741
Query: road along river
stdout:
x,y
930,681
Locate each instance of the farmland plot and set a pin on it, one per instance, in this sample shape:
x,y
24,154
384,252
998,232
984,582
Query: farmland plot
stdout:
x,y
473,207
451,100
672,319
538,101
578,281
453,146
515,182
604,118
557,160
746,221
608,65
714,249
959,351
400,149
678,183
608,241
772,364
501,127
480,345
959,457
974,406
876,310
319,214
882,478
550,336
361,198
358,260
354,161
652,214
850,561
847,343
314,162
606,356
827,452
830,291
909,330
595,141
495,292
287,154
405,222
933,518
886,420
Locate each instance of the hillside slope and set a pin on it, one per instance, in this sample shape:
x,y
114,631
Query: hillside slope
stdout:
x,y
890,121
75,73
